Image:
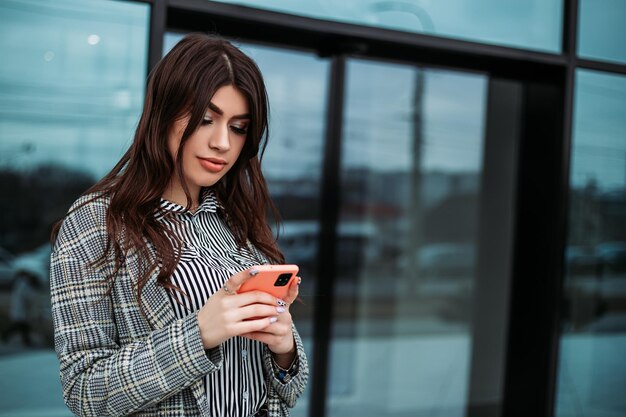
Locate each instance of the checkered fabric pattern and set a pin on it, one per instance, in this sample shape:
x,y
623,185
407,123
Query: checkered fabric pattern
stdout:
x,y
117,361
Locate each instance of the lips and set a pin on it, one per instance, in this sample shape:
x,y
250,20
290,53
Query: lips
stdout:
x,y
212,164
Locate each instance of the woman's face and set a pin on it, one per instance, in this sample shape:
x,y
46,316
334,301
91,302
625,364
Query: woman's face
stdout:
x,y
212,150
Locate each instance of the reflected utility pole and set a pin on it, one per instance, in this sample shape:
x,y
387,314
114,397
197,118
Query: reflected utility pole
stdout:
x,y
414,240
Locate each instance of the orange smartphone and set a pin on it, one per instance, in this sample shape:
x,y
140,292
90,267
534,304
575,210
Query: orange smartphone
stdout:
x,y
273,279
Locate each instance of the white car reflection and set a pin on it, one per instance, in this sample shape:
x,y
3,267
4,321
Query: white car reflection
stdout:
x,y
612,256
36,262
443,260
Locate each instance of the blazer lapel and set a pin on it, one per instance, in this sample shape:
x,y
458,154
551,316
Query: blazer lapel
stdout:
x,y
156,303
154,298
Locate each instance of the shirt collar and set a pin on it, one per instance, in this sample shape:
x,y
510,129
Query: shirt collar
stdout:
x,y
209,203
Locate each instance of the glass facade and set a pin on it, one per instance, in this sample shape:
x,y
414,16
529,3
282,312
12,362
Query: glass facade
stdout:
x,y
532,24
427,202
407,239
602,31
71,91
592,371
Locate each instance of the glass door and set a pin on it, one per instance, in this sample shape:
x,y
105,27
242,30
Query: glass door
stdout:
x,y
411,187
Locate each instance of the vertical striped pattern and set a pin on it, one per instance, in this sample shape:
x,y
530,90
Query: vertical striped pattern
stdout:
x,y
209,257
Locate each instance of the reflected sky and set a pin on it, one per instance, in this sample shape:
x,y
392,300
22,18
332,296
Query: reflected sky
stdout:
x,y
532,24
452,129
72,81
602,30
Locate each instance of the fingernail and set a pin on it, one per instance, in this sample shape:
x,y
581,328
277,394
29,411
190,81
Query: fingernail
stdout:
x,y
253,272
280,309
273,319
281,303
299,280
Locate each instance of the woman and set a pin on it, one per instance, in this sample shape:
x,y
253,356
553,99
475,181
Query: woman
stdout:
x,y
146,265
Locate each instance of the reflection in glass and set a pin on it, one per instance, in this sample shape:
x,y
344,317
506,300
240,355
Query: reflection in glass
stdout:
x,y
531,24
71,90
296,87
411,166
592,371
601,30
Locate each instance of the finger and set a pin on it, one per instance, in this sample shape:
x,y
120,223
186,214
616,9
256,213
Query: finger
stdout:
x,y
239,278
276,329
253,297
279,327
259,310
294,289
274,333
253,326
262,337
227,289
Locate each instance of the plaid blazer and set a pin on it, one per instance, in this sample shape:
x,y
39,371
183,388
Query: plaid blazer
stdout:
x,y
117,361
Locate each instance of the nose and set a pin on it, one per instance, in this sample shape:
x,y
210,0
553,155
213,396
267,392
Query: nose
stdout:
x,y
219,139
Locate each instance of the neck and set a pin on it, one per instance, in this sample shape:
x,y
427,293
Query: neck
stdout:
x,y
177,195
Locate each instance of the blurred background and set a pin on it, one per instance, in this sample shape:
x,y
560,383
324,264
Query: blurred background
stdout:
x,y
451,176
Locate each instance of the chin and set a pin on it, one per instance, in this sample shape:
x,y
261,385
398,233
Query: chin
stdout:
x,y
209,182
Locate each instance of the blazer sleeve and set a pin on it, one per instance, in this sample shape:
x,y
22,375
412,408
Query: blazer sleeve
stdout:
x,y
100,376
291,388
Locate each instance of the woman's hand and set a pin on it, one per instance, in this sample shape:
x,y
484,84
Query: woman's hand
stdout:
x,y
227,314
278,336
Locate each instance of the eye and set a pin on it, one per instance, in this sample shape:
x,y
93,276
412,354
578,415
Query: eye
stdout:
x,y
206,120
239,130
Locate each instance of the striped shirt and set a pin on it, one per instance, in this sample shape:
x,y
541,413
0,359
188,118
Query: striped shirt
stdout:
x,y
209,257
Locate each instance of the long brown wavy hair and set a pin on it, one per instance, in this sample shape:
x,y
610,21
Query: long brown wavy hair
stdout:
x,y
181,84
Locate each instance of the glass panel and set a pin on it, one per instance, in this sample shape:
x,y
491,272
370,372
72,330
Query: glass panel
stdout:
x,y
602,32
592,370
71,90
412,162
296,85
531,24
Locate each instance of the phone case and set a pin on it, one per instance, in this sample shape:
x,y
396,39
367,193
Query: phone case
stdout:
x,y
273,279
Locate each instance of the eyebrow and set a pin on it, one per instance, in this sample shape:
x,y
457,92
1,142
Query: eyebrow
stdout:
x,y
221,112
